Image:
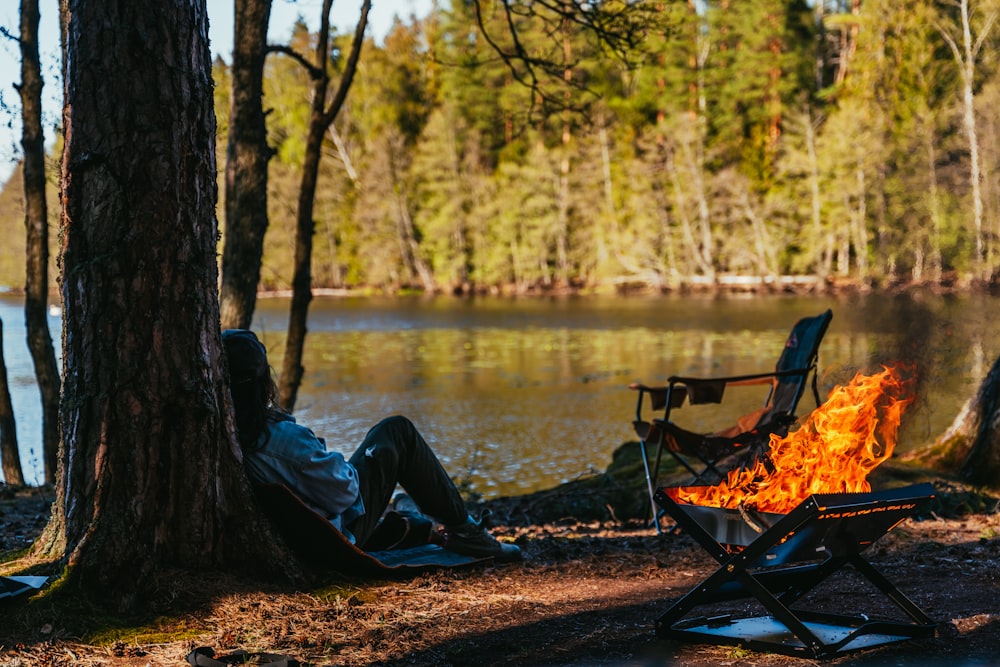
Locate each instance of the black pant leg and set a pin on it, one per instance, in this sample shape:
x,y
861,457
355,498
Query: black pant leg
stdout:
x,y
393,452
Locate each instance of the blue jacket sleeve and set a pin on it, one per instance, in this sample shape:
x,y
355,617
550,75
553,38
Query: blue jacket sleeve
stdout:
x,y
292,455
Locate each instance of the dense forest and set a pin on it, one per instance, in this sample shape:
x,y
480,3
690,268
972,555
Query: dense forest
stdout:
x,y
850,141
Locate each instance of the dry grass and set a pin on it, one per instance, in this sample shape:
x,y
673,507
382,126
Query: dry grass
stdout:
x,y
588,595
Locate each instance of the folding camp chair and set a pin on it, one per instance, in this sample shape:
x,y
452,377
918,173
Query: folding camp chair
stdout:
x,y
706,455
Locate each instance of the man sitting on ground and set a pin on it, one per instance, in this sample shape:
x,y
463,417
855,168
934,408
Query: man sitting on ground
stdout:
x,y
351,494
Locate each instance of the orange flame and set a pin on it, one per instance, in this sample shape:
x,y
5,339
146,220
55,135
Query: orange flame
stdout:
x,y
832,452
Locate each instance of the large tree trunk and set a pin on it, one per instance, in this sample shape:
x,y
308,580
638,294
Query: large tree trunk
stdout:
x,y
36,286
10,457
971,444
246,167
152,476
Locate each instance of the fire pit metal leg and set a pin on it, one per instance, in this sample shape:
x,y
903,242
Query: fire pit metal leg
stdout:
x,y
893,593
787,561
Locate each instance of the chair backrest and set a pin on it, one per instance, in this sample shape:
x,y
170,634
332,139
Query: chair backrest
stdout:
x,y
801,351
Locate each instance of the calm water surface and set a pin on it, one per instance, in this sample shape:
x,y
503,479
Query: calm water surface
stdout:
x,y
518,395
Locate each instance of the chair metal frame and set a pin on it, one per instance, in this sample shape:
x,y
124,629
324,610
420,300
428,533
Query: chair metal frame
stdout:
x,y
753,440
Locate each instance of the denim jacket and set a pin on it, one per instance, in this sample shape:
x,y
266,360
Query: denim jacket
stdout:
x,y
293,455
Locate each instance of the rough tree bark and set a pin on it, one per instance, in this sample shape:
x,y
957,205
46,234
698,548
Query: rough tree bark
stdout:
x,y
971,445
151,472
36,286
10,457
247,156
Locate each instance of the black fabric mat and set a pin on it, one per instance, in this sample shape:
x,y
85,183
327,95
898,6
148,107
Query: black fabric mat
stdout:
x,y
317,542
11,587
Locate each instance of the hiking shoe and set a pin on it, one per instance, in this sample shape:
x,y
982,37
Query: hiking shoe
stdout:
x,y
402,502
472,539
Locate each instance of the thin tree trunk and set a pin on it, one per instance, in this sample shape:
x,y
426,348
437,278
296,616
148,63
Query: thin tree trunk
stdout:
x,y
562,218
704,215
345,157
413,248
10,457
462,188
699,252
406,233
965,51
859,231
824,251
968,65
320,119
601,230
247,157
820,65
848,44
767,258
562,214
291,365
975,177
36,286
843,238
934,208
409,246
515,261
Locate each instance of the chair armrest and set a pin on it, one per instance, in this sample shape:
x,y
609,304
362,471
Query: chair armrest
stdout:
x,y
752,378
659,397
740,380
702,390
638,386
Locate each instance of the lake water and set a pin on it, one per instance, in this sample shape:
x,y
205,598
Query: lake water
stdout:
x,y
518,395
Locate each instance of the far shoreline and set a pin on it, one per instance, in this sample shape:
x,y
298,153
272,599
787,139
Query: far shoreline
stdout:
x,y
721,285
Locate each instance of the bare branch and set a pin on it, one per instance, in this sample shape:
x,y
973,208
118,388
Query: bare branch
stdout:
x,y
984,33
351,66
614,26
509,57
314,72
5,32
955,51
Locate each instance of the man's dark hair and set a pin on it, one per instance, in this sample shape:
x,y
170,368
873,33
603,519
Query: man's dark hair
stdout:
x,y
252,387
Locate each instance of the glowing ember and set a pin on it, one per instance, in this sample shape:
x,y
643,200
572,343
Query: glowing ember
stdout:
x,y
832,452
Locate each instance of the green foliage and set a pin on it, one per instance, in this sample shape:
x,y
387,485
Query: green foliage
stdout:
x,y
764,138
12,257
447,178
760,62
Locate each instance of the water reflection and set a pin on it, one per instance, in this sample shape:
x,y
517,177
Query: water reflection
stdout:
x,y
519,395
523,394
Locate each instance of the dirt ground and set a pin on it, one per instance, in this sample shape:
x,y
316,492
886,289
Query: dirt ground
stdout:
x,y
588,594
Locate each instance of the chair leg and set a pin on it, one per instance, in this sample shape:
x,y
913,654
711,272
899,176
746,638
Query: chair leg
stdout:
x,y
653,507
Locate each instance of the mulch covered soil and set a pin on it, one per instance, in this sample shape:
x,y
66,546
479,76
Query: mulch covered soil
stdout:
x,y
588,594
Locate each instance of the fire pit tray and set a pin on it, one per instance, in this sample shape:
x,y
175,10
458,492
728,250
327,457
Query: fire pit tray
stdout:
x,y
774,632
728,526
790,556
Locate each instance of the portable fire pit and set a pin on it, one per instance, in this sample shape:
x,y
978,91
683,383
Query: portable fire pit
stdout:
x,y
779,558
